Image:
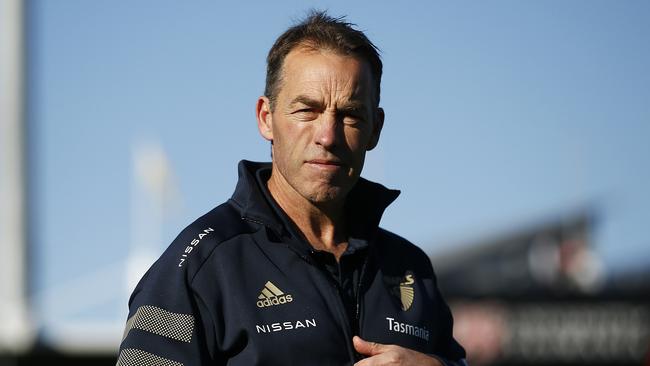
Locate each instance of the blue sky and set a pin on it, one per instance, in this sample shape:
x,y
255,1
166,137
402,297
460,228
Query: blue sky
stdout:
x,y
498,114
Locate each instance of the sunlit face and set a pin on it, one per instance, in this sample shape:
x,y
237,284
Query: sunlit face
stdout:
x,y
323,122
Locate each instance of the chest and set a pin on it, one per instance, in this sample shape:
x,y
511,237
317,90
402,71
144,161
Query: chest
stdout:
x,y
285,306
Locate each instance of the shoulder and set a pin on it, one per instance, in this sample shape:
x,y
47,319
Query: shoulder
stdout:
x,y
199,239
392,243
394,250
196,243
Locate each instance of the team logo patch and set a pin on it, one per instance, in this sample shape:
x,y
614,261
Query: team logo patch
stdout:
x,y
406,291
271,295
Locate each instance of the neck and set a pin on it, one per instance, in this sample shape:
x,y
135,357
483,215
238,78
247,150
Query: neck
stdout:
x,y
322,225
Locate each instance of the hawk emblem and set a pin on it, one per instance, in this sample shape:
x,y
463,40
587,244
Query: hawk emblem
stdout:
x,y
406,291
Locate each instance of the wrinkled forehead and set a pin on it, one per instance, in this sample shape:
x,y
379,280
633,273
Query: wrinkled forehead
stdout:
x,y
326,73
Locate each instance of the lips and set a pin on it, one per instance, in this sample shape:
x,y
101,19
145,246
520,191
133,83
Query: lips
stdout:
x,y
325,162
325,165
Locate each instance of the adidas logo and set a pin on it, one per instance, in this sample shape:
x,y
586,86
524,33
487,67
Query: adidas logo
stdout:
x,y
272,295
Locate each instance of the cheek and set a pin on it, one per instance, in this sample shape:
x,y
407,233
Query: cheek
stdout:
x,y
289,144
357,139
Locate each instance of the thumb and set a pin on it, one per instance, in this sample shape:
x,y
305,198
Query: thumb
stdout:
x,y
367,348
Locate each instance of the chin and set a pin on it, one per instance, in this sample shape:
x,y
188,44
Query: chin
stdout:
x,y
325,191
325,196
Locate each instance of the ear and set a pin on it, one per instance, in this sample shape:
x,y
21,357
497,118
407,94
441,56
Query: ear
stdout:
x,y
264,117
376,129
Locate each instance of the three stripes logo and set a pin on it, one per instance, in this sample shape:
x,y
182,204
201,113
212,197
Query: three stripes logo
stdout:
x,y
271,295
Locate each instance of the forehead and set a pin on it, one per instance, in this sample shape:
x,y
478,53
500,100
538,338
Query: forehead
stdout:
x,y
316,71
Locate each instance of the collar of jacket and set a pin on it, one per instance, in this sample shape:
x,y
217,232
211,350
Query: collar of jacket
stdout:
x,y
366,203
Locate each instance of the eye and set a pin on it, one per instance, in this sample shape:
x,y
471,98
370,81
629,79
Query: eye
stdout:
x,y
353,118
305,113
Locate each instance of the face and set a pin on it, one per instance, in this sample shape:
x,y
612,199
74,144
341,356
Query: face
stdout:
x,y
323,122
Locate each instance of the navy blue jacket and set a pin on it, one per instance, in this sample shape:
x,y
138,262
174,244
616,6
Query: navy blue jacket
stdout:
x,y
240,287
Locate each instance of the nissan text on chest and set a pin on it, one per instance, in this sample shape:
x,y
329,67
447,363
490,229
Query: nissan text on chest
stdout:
x,y
294,268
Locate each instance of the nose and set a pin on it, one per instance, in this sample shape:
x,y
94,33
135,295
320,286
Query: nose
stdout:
x,y
327,132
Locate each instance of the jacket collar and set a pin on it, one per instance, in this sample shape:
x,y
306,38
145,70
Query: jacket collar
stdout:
x,y
366,202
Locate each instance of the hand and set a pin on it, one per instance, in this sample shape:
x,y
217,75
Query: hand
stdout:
x,y
388,354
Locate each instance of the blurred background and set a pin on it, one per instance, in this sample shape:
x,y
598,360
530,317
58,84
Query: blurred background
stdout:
x,y
518,132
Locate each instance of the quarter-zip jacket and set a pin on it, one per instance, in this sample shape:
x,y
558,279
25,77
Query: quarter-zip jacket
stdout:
x,y
241,286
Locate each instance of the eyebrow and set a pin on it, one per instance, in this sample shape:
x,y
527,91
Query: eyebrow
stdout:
x,y
303,99
349,106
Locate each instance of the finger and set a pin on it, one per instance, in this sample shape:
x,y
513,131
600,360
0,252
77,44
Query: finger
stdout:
x,y
364,362
386,358
367,348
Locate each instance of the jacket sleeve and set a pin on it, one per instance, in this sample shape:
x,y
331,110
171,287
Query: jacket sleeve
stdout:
x,y
447,350
460,362
166,323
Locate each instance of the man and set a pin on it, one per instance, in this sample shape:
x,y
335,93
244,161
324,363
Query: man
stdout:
x,y
293,269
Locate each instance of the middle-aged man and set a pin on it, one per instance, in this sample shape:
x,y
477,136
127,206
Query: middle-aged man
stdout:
x,y
293,269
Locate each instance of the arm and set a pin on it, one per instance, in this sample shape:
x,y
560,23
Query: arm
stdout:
x,y
447,349
165,324
443,349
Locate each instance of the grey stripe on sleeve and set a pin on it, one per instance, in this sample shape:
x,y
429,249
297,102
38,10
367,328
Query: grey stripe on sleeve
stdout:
x,y
164,323
137,357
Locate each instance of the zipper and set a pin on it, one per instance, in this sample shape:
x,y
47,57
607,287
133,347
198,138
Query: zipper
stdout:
x,y
358,294
335,288
358,356
343,314
246,218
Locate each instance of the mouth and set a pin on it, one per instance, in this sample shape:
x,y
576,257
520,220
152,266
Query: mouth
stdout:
x,y
327,164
